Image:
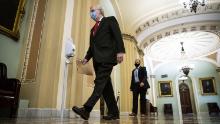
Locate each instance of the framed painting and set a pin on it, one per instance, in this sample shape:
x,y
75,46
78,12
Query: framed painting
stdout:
x,y
208,86
165,88
11,12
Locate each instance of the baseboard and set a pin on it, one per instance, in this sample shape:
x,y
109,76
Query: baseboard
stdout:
x,y
203,114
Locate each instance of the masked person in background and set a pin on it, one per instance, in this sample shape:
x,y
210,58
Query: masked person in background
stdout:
x,y
139,86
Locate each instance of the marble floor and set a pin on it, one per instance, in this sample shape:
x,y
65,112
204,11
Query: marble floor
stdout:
x,y
122,120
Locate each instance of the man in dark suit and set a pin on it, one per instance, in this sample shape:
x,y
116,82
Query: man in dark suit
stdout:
x,y
139,85
107,49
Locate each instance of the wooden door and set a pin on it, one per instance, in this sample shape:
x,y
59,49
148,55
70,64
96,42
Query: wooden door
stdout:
x,y
185,98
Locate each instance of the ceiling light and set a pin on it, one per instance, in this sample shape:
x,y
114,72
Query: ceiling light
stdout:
x,y
192,5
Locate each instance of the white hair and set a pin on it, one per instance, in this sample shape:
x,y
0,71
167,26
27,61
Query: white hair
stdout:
x,y
99,7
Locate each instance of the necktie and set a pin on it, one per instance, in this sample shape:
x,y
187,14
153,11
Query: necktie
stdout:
x,y
95,27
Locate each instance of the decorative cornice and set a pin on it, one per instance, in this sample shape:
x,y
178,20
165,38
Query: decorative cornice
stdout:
x,y
211,8
213,27
133,39
129,37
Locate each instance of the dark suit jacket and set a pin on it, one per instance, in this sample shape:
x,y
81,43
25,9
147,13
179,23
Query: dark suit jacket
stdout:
x,y
142,74
106,43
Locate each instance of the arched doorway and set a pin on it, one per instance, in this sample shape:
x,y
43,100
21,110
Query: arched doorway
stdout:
x,y
185,99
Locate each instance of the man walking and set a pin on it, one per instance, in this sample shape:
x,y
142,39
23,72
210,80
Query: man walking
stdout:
x,y
107,49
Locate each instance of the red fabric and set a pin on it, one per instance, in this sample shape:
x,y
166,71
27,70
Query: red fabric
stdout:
x,y
95,27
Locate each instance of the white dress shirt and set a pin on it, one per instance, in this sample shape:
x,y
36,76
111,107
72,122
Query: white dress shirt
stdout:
x,y
136,78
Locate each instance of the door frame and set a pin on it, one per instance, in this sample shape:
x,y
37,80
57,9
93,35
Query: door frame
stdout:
x,y
194,92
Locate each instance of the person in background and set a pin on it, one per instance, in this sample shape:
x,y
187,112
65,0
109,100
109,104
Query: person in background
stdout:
x,y
139,86
107,50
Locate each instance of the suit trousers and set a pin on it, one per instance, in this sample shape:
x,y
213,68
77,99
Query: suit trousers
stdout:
x,y
138,90
103,87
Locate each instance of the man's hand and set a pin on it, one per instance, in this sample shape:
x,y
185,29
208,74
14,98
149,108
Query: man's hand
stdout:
x,y
141,84
120,57
84,61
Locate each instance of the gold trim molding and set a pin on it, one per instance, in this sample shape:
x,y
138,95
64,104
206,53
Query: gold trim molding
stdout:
x,y
207,86
28,45
14,33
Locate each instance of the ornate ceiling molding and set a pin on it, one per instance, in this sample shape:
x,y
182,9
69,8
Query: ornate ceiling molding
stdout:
x,y
133,39
211,8
213,27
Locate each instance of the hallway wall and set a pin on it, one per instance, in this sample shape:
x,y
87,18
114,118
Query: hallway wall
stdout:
x,y
126,70
11,52
201,69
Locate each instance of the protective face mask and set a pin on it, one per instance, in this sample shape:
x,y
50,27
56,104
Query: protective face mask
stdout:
x,y
136,64
93,15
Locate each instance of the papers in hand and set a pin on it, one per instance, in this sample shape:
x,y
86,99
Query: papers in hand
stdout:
x,y
84,69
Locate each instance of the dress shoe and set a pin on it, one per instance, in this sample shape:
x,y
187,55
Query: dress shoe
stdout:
x,y
111,117
133,114
82,112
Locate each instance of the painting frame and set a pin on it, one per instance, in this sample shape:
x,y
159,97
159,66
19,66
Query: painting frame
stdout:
x,y
207,86
10,23
165,88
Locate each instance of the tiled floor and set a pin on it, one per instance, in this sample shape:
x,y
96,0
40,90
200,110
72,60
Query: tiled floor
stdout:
x,y
123,120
